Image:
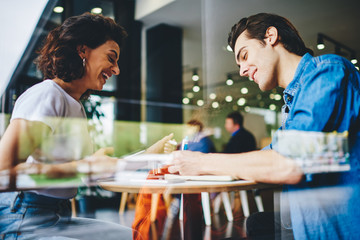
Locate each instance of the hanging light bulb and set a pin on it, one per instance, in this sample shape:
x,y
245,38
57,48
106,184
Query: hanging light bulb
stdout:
x,y
241,101
186,100
353,59
228,98
320,42
195,76
215,104
244,90
96,10
200,102
212,96
229,81
58,9
277,97
272,107
196,87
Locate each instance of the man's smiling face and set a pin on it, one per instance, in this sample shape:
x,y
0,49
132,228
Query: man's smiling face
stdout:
x,y
257,61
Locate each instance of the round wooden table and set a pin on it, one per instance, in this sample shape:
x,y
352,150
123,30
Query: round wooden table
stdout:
x,y
187,187
191,190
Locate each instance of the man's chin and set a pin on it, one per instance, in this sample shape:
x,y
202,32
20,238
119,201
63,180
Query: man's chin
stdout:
x,y
265,88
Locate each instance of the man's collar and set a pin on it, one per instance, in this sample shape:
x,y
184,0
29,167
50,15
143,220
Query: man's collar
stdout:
x,y
294,84
233,134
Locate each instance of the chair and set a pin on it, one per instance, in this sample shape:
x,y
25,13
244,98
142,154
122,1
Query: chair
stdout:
x,y
154,204
205,201
73,207
244,203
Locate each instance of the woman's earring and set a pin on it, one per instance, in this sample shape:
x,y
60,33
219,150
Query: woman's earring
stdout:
x,y
84,62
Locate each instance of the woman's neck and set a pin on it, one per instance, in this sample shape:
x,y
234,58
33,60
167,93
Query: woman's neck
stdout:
x,y
73,88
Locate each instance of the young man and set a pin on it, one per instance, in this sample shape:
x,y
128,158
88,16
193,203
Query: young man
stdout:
x,y
321,94
241,139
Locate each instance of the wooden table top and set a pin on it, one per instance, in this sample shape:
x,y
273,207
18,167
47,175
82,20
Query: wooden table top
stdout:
x,y
136,185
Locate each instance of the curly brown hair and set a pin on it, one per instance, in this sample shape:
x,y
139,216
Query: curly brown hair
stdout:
x,y
59,56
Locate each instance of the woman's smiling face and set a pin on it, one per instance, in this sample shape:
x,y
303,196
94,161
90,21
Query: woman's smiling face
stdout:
x,y
100,64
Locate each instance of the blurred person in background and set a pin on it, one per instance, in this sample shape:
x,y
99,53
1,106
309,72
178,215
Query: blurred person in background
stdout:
x,y
199,140
241,139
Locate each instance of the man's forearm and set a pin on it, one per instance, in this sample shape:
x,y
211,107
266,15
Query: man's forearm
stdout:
x,y
262,166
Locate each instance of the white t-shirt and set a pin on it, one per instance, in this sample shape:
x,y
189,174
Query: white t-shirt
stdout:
x,y
48,103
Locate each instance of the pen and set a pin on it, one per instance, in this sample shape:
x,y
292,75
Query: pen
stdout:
x,y
184,143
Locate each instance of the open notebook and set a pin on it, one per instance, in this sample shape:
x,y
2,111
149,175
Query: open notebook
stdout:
x,y
199,178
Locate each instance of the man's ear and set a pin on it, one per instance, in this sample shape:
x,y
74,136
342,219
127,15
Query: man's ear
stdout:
x,y
271,35
81,50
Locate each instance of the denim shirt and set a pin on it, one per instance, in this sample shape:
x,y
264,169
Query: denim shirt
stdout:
x,y
325,96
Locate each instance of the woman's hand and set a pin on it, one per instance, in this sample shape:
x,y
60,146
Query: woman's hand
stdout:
x,y
52,171
104,151
97,163
159,146
170,146
187,163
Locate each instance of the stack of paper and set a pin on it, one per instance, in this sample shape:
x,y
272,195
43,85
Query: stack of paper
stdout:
x,y
219,178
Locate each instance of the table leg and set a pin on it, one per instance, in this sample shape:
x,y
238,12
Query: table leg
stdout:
x,y
205,200
227,206
73,207
155,197
124,197
244,203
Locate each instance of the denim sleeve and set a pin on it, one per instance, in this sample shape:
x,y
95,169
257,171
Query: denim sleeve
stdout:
x,y
321,102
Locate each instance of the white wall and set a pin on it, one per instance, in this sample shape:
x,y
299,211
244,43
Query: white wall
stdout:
x,y
18,20
145,7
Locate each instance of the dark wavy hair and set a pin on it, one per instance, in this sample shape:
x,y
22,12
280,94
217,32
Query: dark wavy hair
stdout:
x,y
256,26
59,57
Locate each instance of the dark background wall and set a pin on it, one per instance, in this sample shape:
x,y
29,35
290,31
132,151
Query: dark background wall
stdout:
x,y
164,74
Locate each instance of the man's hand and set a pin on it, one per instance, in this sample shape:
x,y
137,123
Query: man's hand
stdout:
x,y
187,163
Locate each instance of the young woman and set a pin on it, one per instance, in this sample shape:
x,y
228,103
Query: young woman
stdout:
x,y
77,57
